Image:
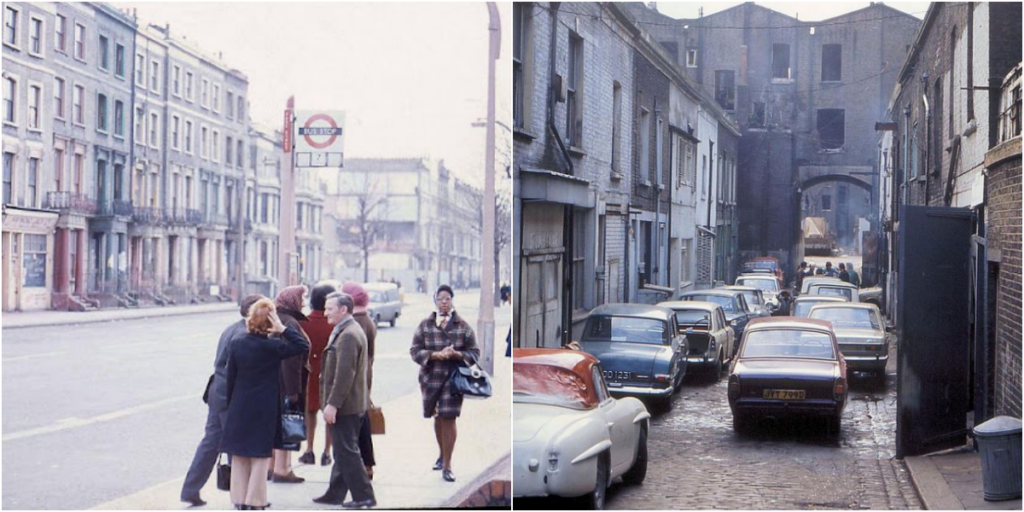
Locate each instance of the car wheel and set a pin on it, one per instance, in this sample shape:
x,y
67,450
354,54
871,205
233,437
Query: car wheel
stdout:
x,y
638,472
595,500
835,424
879,377
376,319
740,422
393,321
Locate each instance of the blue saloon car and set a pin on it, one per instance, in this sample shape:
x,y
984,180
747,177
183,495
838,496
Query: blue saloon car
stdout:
x,y
640,349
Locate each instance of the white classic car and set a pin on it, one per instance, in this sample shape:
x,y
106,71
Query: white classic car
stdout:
x,y
570,437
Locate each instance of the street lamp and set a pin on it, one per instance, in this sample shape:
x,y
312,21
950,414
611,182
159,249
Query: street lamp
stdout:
x,y
485,324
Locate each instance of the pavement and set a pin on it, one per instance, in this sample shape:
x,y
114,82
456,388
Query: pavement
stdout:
x,y
952,480
18,320
400,481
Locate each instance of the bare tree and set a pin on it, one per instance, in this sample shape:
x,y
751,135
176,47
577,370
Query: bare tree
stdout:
x,y
367,221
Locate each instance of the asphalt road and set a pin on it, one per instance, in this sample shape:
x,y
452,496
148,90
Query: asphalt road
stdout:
x,y
98,411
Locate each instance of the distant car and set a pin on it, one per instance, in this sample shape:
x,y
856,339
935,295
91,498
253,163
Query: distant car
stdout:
x,y
803,304
709,335
385,302
788,366
733,303
768,284
639,347
839,289
765,263
809,280
871,295
861,333
570,438
755,299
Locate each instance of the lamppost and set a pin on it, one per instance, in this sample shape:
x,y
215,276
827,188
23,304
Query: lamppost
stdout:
x,y
485,324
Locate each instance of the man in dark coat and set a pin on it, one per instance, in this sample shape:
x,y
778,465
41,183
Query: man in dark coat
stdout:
x,y
345,397
360,313
206,453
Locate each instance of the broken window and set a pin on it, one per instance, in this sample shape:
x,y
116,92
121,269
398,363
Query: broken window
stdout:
x,y
780,61
725,89
831,127
757,115
831,62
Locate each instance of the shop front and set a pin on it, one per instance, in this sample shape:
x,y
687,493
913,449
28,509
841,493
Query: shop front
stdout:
x,y
28,245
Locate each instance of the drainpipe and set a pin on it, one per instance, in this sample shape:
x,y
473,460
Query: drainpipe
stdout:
x,y
657,190
906,153
927,141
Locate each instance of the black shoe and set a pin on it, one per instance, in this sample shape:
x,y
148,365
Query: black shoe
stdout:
x,y
327,500
448,475
439,465
194,501
290,478
370,503
307,458
325,460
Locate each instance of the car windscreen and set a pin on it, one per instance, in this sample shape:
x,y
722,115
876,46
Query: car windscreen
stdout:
x,y
378,297
788,343
802,308
553,385
649,331
694,318
751,296
833,290
721,300
766,285
853,318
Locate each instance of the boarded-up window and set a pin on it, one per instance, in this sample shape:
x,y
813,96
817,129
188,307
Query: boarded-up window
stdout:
x,y
725,89
831,62
780,61
831,127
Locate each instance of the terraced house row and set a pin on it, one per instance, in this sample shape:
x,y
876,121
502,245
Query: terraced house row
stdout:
x,y
124,152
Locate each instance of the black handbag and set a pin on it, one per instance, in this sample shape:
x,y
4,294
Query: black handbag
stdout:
x,y
471,381
223,475
209,384
293,425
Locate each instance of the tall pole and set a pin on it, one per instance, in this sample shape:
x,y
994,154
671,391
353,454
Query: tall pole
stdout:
x,y
286,240
485,324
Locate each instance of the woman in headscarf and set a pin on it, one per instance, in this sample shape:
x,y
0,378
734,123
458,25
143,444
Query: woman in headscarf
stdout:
x,y
254,409
441,341
289,308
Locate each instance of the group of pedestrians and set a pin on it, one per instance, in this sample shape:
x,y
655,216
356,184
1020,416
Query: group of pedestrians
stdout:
x,y
844,272
277,357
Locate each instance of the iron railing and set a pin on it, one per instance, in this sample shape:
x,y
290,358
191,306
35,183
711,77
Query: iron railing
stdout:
x,y
147,215
183,216
70,202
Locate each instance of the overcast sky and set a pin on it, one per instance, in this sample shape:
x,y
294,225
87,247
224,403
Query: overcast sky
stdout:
x,y
805,11
411,77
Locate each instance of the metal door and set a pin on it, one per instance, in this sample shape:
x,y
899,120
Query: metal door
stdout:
x,y
933,297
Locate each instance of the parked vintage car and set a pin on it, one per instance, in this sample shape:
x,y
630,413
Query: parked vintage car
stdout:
x,y
809,280
385,302
639,347
733,303
863,338
839,289
708,333
788,366
769,263
871,295
755,300
570,438
770,286
803,304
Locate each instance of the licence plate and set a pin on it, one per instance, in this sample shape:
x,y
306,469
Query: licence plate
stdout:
x,y
785,394
614,376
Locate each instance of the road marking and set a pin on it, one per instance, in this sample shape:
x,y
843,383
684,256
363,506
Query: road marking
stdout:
x,y
32,356
70,423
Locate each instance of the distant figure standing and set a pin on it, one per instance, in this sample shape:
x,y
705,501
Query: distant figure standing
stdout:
x,y
829,271
854,276
206,453
289,306
801,272
253,421
318,330
843,274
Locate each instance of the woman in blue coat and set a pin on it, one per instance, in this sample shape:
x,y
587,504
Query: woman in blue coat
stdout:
x,y
254,415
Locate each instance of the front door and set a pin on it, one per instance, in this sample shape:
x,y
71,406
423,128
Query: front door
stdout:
x,y
543,283
933,298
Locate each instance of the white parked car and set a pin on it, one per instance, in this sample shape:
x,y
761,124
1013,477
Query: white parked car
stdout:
x,y
570,438
767,283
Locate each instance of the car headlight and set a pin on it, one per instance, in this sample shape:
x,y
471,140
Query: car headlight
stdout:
x,y
734,386
552,462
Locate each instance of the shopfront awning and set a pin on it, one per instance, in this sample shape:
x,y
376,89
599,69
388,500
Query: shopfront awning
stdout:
x,y
553,187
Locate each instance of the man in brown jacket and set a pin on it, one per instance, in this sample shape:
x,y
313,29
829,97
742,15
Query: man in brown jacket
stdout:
x,y
344,398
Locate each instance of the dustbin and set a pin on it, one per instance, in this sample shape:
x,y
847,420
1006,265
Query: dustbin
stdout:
x,y
1000,449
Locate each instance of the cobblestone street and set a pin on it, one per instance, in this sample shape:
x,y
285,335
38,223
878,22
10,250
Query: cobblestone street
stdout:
x,y
698,462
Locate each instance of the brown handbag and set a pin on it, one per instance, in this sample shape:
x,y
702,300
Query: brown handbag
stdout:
x,y
376,420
